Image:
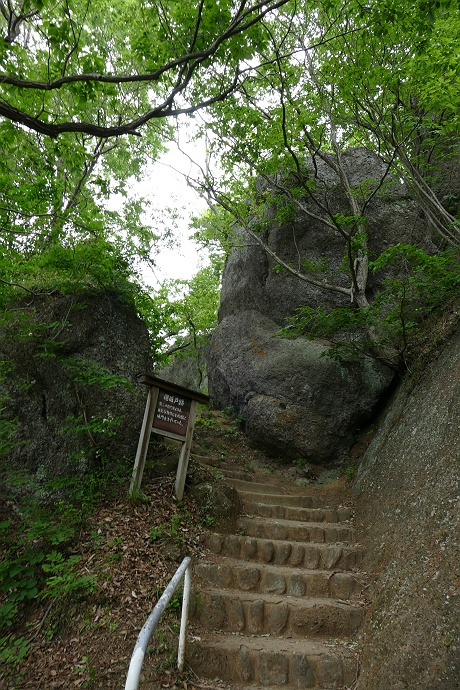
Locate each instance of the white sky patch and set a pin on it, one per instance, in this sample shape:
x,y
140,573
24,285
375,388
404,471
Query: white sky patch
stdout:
x,y
165,187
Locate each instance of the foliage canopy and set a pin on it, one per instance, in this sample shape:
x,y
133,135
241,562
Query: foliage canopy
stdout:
x,y
107,68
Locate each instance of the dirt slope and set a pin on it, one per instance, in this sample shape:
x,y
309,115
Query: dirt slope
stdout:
x,y
409,512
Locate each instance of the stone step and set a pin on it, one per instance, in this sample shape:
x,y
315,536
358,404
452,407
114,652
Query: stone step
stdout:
x,y
310,556
296,513
234,474
295,500
272,661
271,489
272,579
290,530
271,614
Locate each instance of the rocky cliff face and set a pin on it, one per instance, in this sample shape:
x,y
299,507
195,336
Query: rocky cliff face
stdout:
x,y
64,360
409,502
294,400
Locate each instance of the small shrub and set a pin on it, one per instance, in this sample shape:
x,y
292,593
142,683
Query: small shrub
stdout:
x,y
166,532
351,471
205,422
62,579
419,285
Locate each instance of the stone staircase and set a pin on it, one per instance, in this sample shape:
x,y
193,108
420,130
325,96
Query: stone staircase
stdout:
x,y
274,606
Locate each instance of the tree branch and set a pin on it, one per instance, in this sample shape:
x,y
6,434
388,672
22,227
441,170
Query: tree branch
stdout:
x,y
220,200
7,282
14,21
188,64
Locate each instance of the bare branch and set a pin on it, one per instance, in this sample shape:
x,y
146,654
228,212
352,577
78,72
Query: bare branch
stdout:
x,y
324,285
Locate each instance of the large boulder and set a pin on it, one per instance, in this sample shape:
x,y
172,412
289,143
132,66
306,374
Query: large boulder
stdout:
x,y
70,392
249,281
292,398
294,401
188,370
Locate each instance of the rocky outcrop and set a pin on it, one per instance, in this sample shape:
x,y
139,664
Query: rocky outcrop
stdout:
x,y
293,399
288,393
409,499
218,502
70,391
249,281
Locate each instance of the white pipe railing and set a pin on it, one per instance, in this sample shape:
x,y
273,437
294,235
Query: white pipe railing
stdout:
x,y
137,659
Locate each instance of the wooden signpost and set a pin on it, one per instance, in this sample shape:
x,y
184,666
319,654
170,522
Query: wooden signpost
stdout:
x,y
170,411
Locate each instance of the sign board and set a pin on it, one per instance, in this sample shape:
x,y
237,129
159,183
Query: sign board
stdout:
x,y
172,413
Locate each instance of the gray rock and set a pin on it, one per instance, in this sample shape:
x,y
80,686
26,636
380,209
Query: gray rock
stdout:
x,y
409,485
187,371
249,281
55,346
219,504
294,401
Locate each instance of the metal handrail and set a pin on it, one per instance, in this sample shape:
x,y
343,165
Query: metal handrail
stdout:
x,y
137,659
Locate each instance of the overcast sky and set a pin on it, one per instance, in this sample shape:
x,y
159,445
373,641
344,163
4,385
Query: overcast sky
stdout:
x,y
171,190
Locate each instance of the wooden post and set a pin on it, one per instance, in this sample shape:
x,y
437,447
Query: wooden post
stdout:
x,y
144,440
184,454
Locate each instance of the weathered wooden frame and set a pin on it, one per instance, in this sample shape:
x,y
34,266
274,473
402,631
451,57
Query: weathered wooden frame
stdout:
x,y
155,385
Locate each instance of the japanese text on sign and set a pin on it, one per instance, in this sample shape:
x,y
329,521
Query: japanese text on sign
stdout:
x,y
172,413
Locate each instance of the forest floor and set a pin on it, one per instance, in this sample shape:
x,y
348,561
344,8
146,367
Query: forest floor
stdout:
x,y
132,549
